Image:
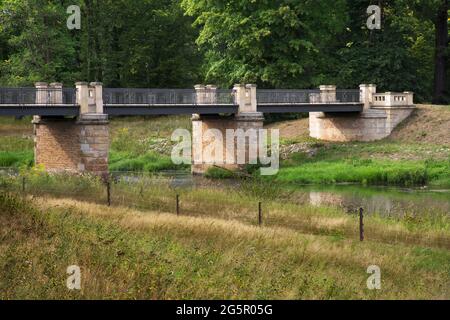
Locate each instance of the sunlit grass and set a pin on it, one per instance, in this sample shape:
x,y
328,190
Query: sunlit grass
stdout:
x,y
129,254
240,203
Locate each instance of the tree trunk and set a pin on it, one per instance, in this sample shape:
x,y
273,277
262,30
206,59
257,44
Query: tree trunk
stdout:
x,y
440,72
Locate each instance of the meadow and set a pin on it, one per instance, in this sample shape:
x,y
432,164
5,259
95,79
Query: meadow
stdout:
x,y
138,248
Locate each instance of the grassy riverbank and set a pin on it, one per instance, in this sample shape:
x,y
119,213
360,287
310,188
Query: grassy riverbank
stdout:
x,y
139,249
418,153
348,168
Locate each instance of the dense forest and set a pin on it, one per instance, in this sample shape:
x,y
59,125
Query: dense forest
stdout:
x,y
274,43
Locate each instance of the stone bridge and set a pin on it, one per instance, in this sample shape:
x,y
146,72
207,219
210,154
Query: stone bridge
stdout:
x,y
71,124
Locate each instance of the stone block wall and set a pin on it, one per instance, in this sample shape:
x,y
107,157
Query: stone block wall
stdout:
x,y
56,144
201,124
72,145
374,124
94,146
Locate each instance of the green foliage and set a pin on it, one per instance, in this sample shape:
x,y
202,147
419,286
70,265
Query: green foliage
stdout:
x,y
16,159
138,44
121,43
149,162
39,46
272,43
399,57
366,171
219,173
176,43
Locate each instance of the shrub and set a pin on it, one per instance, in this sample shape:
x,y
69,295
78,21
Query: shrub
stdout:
x,y
219,173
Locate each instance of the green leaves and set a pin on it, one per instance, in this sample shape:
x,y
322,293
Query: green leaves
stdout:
x,y
272,43
121,43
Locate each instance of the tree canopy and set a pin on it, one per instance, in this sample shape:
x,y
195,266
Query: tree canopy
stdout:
x,y
273,43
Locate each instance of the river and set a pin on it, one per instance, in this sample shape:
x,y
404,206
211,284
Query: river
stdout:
x,y
381,200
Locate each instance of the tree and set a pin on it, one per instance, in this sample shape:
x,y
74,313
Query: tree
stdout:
x,y
441,55
274,43
397,57
40,48
148,43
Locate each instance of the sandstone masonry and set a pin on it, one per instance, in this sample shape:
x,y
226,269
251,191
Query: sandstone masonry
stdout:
x,y
382,113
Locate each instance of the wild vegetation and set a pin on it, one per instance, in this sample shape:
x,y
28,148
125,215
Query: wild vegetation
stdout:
x,y
214,251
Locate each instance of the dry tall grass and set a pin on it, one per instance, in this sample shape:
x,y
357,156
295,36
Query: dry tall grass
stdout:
x,y
125,253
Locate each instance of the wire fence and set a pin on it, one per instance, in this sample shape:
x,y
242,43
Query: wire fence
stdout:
x,y
156,194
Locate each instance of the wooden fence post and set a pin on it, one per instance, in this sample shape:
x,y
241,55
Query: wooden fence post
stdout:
x,y
178,205
260,215
108,192
361,224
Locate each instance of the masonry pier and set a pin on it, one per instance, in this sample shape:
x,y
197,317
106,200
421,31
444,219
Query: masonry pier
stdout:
x,y
247,119
381,114
73,144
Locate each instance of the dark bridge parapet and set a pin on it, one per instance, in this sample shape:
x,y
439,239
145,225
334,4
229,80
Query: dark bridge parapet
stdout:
x,y
155,97
132,102
346,107
179,109
33,96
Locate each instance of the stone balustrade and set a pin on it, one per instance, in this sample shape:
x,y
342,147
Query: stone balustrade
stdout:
x,y
393,99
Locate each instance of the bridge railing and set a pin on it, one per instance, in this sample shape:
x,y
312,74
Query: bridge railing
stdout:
x,y
347,95
34,96
113,96
265,96
276,96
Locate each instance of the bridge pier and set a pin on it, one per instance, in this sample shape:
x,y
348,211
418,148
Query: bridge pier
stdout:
x,y
75,145
207,128
381,115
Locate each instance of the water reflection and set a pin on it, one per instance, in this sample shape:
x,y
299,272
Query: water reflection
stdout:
x,y
386,201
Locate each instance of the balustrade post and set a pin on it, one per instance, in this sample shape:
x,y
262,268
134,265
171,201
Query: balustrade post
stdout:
x,y
328,94
83,97
98,96
367,93
41,93
246,98
56,93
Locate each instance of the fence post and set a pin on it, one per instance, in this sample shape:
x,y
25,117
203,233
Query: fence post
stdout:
x,y
178,205
23,184
108,191
361,224
260,216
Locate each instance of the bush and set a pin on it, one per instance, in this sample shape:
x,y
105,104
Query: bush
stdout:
x,y
149,162
219,173
16,159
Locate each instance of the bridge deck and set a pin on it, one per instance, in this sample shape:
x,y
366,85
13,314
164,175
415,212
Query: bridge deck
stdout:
x,y
142,110
137,110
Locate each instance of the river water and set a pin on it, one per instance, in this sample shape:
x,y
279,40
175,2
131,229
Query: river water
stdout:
x,y
385,201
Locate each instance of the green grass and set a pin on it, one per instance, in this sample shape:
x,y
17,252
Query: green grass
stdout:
x,y
366,171
16,151
372,163
127,254
219,173
16,159
149,162
240,203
